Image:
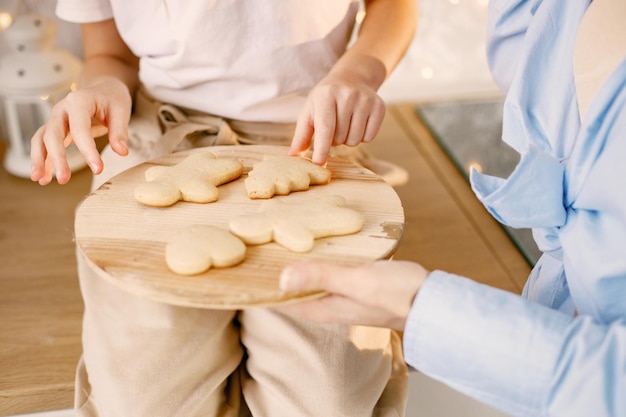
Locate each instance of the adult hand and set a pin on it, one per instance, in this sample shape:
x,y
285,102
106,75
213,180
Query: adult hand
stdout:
x,y
376,294
340,110
83,115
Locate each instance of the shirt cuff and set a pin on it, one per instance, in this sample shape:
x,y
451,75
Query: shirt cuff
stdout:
x,y
485,342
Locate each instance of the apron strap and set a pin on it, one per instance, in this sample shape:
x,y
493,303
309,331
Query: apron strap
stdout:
x,y
183,128
179,132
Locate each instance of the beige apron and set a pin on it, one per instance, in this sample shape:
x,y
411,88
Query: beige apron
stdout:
x,y
158,129
146,359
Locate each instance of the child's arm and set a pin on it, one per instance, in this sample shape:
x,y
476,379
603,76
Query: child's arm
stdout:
x,y
344,107
102,103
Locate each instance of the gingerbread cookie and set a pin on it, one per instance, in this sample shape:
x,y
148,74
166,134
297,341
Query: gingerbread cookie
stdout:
x,y
197,248
296,225
280,175
195,179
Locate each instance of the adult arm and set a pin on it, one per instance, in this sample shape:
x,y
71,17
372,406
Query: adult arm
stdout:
x,y
518,356
101,104
344,107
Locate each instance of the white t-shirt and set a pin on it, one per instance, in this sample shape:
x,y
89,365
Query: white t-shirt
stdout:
x,y
247,60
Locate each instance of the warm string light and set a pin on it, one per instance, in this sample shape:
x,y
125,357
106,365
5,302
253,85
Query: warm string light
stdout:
x,y
360,15
5,20
475,165
427,73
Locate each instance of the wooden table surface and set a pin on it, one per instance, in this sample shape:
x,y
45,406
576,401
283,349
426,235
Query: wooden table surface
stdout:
x,y
40,305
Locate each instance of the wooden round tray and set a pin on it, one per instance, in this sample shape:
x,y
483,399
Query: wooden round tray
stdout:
x,y
124,241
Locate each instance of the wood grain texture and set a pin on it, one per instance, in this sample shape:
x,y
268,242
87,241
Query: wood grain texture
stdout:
x,y
40,305
125,240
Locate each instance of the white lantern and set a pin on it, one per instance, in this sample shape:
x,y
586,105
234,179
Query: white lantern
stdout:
x,y
33,76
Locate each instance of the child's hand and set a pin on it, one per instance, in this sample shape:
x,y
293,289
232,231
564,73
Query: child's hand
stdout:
x,y
340,111
80,117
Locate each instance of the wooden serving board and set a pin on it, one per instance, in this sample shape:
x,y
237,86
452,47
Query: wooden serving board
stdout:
x,y
124,241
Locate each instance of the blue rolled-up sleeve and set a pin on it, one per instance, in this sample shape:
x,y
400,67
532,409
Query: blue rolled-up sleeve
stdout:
x,y
520,357
507,24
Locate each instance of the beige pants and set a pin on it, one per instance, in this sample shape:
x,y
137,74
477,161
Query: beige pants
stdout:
x,y
146,359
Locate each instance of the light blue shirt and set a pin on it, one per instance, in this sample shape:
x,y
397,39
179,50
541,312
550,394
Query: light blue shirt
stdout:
x,y
560,349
